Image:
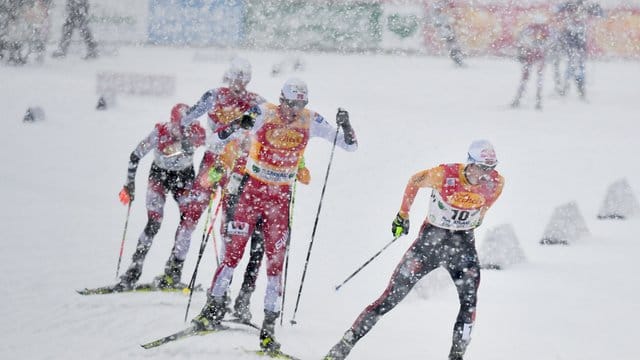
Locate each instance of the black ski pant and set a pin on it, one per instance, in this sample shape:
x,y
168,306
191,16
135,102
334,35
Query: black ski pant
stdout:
x,y
453,250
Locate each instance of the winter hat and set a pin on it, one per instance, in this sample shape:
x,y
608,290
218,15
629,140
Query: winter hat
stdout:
x,y
239,69
481,152
295,89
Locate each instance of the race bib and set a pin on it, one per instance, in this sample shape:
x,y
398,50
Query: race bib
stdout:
x,y
445,216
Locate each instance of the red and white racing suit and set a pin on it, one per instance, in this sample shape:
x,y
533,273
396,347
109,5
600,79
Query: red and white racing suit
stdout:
x,y
171,171
222,106
272,165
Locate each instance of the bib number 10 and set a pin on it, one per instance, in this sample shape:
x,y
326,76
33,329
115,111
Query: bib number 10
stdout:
x,y
460,215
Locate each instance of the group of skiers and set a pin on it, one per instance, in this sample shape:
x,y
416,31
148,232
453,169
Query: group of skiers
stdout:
x,y
563,36
25,27
254,155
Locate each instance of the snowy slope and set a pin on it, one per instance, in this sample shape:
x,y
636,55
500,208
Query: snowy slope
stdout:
x,y
62,224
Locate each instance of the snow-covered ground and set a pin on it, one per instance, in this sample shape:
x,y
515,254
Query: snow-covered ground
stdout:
x,y
61,223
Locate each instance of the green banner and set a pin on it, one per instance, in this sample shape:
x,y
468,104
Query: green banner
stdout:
x,y
303,25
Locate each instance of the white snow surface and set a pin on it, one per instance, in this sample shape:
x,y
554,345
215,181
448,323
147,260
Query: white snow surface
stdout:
x,y
62,224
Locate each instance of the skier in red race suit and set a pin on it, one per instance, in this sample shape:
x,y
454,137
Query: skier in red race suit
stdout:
x,y
171,171
222,105
279,137
534,41
234,158
461,195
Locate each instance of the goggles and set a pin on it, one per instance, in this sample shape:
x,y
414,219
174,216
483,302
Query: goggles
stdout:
x,y
294,104
485,168
485,165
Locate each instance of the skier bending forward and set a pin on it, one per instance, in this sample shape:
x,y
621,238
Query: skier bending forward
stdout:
x,y
461,195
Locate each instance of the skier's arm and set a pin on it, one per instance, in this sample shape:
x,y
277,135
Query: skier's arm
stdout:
x,y
127,193
203,105
321,128
500,184
426,178
252,119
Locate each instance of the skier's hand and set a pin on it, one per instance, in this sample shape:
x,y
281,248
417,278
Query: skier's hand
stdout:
x,y
215,174
127,193
342,118
247,121
400,226
304,176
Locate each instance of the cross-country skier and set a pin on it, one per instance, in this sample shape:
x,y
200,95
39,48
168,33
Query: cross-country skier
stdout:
x,y
280,136
235,158
461,195
575,15
533,43
77,18
171,171
222,105
443,21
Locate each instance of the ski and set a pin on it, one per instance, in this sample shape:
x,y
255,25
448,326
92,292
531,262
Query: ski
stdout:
x,y
272,354
190,331
242,322
148,287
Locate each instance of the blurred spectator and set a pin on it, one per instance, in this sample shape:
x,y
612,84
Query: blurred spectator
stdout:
x,y
23,29
574,15
533,43
442,20
77,18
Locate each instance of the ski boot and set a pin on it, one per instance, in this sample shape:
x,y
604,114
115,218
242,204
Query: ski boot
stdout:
x,y
241,307
268,343
172,273
211,315
460,342
131,276
340,350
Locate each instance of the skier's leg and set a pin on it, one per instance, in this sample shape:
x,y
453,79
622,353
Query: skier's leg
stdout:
x,y
241,307
526,67
581,55
67,31
236,236
179,183
539,82
193,205
92,46
418,261
464,269
275,230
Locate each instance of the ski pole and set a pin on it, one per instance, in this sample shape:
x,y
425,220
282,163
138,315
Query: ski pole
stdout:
x,y
124,235
205,239
315,226
292,203
367,262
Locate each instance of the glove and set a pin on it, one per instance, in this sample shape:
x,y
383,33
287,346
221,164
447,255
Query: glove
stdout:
x,y
304,176
247,121
215,174
342,118
400,226
127,193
